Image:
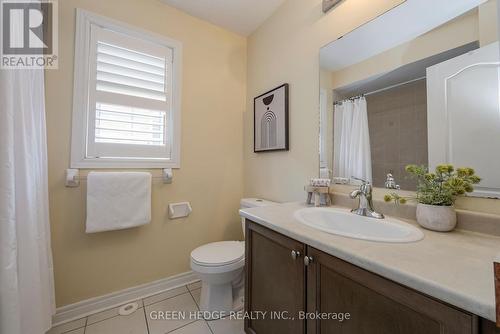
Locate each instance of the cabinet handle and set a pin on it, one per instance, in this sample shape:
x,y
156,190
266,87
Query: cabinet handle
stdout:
x,y
295,254
307,260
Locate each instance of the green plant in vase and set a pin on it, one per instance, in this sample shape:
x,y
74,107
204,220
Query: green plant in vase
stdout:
x,y
436,193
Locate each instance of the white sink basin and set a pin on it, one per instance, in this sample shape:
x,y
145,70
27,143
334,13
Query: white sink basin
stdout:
x,y
343,222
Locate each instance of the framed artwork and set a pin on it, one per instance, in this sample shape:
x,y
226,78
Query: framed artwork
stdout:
x,y
271,120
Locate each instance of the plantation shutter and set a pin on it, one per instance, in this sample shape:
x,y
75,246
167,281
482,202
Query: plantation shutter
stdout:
x,y
130,97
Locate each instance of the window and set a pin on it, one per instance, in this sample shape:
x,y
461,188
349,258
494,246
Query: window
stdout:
x,y
126,103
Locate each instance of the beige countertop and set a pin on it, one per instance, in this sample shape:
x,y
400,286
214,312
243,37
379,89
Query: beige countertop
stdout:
x,y
455,267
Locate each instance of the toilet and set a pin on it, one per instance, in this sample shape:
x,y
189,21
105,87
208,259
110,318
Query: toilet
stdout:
x,y
220,265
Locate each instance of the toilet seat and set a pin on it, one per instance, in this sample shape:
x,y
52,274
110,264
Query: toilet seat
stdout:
x,y
218,257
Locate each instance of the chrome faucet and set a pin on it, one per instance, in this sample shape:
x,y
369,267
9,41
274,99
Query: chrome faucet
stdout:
x,y
390,182
365,207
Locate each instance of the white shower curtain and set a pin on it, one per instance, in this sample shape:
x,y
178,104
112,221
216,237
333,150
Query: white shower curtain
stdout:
x,y
352,156
26,275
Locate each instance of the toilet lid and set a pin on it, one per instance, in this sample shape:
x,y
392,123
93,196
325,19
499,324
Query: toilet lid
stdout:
x,y
219,253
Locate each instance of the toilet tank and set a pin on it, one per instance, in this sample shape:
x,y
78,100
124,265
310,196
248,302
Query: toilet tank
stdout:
x,y
255,202
246,203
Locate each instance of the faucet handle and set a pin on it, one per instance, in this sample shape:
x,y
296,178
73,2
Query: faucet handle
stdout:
x,y
359,179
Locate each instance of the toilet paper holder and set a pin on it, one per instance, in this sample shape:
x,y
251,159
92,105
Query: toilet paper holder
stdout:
x,y
179,210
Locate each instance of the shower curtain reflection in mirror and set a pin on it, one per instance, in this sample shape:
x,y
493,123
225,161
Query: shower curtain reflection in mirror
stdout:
x,y
351,153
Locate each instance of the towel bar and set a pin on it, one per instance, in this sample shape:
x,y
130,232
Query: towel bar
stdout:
x,y
73,177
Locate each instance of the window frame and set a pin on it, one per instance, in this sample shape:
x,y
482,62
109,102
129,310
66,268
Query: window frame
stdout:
x,y
82,91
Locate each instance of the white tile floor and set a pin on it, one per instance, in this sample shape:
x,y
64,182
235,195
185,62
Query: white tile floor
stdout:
x,y
185,298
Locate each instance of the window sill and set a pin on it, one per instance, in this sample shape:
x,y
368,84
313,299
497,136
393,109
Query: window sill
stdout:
x,y
124,163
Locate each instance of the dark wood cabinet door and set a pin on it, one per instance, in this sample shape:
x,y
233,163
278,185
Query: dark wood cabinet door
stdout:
x,y
275,282
496,270
488,327
376,305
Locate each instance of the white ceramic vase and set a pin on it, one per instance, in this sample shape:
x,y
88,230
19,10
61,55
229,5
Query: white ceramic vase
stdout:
x,y
436,218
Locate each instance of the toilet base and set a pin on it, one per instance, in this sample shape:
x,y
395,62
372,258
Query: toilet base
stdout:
x,y
217,303
216,297
222,298
239,302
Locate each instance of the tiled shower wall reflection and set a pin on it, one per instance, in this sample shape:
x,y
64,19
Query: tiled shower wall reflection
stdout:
x,y
397,120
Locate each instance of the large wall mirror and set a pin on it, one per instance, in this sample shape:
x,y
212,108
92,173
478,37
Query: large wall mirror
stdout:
x,y
417,85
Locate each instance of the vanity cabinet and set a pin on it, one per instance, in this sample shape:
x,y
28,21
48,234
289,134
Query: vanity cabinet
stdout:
x,y
285,277
375,304
276,281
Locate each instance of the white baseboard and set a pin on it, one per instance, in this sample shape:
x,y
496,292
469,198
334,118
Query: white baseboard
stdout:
x,y
89,306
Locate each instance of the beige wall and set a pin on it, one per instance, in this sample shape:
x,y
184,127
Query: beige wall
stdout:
x,y
285,49
213,101
325,84
488,27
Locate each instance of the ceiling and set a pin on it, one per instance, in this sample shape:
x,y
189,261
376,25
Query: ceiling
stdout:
x,y
399,25
240,16
403,74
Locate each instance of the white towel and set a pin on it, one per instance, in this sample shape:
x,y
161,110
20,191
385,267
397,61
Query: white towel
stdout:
x,y
117,201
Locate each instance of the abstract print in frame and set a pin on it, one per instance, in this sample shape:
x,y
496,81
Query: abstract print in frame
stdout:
x,y
271,120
